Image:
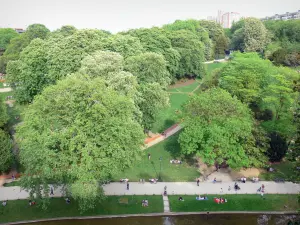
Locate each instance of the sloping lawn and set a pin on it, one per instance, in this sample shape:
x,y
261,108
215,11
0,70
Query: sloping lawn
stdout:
x,y
283,170
167,117
19,210
186,89
211,66
146,169
238,202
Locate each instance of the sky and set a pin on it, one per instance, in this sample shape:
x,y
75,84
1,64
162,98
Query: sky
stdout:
x,y
121,15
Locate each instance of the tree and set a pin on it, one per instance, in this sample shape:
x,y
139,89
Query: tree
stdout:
x,y
149,68
218,128
78,133
278,147
3,114
20,42
250,35
6,34
191,52
64,31
156,40
152,99
5,151
126,45
246,76
101,64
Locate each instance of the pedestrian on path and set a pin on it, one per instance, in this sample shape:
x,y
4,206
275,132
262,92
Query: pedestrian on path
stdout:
x,y
221,191
51,191
127,186
229,188
149,156
198,181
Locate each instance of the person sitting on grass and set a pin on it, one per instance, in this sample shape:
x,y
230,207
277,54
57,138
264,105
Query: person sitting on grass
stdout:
x,y
146,202
68,201
180,199
201,198
4,203
31,203
143,203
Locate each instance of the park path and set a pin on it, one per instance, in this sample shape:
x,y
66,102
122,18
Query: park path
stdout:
x,y
173,188
2,90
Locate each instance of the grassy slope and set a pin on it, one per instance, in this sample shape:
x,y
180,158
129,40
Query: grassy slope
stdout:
x,y
19,209
146,169
239,202
282,170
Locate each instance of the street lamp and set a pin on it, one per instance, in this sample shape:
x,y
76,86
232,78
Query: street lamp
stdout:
x,y
160,159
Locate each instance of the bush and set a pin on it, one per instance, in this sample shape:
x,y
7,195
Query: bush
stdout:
x,y
278,147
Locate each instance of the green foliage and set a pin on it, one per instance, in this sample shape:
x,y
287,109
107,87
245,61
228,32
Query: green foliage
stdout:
x,y
249,35
78,132
21,41
3,113
6,34
5,151
148,68
156,40
64,31
245,76
126,45
219,128
191,52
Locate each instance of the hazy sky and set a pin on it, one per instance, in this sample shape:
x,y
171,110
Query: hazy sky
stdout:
x,y
118,15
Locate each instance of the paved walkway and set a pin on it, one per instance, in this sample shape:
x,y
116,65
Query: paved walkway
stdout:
x,y
177,188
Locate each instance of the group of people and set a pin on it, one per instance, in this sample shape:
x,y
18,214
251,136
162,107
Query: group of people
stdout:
x,y
175,161
31,203
145,203
153,180
243,179
201,198
220,200
236,187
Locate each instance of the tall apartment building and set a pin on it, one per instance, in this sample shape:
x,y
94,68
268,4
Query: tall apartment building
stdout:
x,y
226,19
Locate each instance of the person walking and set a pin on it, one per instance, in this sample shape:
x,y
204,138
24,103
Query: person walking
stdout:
x,y
127,186
198,181
51,190
229,188
149,156
221,191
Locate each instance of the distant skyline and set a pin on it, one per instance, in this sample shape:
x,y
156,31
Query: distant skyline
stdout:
x,y
120,15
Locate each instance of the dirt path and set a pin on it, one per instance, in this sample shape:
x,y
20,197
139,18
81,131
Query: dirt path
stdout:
x,y
182,83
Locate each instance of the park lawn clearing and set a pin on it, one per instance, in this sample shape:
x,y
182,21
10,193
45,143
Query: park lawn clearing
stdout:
x,y
19,210
212,66
235,202
167,117
147,169
185,89
283,170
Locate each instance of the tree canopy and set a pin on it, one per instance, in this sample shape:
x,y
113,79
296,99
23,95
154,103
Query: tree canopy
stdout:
x,y
78,133
218,128
6,34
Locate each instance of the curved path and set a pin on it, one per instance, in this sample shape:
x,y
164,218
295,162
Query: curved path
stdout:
x,y
178,188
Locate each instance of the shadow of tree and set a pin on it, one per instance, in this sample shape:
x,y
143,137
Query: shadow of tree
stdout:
x,y
168,123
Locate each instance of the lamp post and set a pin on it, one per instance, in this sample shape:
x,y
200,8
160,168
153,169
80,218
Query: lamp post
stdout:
x,y
160,159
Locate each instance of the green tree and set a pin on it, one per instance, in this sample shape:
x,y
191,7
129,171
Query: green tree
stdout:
x,y
246,76
218,128
20,42
5,151
3,114
250,35
6,34
148,68
78,132
126,45
191,51
64,31
156,40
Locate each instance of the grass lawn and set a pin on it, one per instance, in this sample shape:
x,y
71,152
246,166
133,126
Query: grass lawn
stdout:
x,y
11,184
238,202
185,89
3,95
18,210
146,169
1,85
283,170
211,66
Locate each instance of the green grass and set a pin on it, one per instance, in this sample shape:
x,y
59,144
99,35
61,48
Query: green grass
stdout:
x,y
283,170
19,210
167,117
186,89
238,202
211,66
168,149
3,95
11,184
1,85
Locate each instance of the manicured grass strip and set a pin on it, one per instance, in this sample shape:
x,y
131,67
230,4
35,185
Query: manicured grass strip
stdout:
x,y
11,184
167,149
18,210
186,89
238,202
